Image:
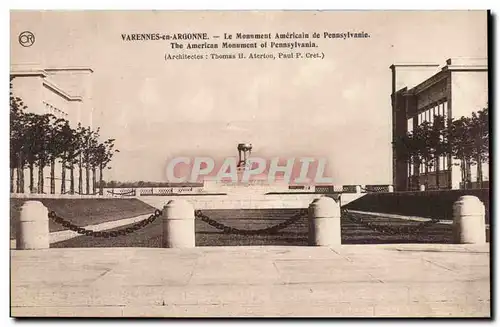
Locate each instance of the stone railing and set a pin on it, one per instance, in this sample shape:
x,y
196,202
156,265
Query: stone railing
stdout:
x,y
200,190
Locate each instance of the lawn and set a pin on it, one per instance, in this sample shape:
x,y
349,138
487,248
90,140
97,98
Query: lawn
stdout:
x,y
83,211
295,234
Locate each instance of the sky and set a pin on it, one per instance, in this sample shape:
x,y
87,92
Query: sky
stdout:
x,y
336,108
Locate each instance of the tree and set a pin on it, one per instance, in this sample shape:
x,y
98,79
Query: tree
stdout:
x,y
438,143
426,144
102,156
461,146
469,143
39,140
418,145
90,153
17,141
35,146
465,139
425,140
479,130
43,140
407,148
57,138
86,141
68,142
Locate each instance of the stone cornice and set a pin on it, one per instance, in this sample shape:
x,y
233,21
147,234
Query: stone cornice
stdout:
x,y
474,68
69,69
53,87
436,78
28,72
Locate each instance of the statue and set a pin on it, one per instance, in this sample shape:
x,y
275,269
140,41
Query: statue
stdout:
x,y
244,151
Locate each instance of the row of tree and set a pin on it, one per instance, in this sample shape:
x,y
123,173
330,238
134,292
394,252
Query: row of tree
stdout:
x,y
466,140
39,141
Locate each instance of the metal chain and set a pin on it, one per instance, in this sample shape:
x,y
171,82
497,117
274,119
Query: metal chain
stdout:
x,y
124,231
232,230
263,231
388,229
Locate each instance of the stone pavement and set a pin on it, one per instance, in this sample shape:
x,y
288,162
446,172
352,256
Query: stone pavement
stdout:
x,y
425,280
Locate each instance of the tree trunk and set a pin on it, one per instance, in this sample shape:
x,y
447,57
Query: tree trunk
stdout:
x,y
426,183
20,174
52,176
479,171
32,178
18,177
80,177
12,189
416,169
39,179
72,179
408,175
449,168
468,172
63,177
462,172
438,159
101,190
41,184
94,179
87,179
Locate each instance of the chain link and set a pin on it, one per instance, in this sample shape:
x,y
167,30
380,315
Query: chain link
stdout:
x,y
87,232
232,230
389,229
263,231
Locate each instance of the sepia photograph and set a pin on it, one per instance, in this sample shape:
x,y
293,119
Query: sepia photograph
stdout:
x,y
260,163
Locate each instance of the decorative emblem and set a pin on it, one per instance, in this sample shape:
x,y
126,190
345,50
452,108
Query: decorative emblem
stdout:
x,y
26,39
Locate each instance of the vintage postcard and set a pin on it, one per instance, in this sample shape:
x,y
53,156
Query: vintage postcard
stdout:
x,y
249,164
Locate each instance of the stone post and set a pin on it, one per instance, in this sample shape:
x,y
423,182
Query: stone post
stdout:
x,y
178,225
324,222
33,228
390,189
422,187
358,188
468,221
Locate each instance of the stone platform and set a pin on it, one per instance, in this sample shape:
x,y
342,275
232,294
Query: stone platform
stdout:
x,y
413,280
248,201
238,201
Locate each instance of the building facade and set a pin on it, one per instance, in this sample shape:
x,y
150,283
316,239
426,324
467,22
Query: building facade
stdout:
x,y
419,93
65,92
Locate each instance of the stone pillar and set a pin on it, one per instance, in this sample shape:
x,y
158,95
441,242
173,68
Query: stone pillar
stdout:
x,y
178,225
422,187
33,228
358,188
324,222
468,221
390,189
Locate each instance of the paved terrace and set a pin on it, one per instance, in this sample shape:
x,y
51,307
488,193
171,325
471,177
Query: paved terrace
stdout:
x,y
424,280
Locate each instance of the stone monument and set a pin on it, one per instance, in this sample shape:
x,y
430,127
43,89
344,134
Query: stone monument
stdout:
x,y
257,185
246,150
